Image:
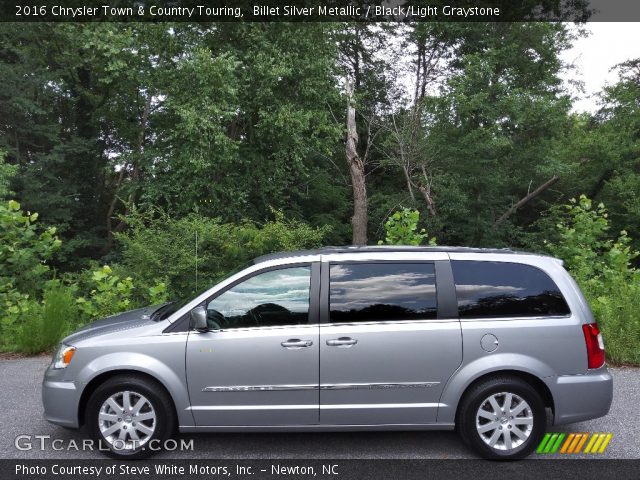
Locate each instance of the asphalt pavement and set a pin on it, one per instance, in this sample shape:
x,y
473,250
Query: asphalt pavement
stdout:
x,y
21,407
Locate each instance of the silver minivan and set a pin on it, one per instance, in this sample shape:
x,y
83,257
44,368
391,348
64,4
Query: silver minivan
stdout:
x,y
496,344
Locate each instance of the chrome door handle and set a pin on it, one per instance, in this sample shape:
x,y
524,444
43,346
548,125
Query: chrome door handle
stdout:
x,y
342,342
295,343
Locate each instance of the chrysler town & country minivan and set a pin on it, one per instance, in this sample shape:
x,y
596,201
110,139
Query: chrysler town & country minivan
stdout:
x,y
493,343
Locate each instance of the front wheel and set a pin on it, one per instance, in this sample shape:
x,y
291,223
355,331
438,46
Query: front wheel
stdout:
x,y
502,418
129,416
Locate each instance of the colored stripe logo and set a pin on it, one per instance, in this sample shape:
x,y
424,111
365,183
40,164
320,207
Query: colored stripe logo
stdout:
x,y
573,443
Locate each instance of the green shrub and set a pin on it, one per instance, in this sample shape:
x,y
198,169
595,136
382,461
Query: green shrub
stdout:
x,y
40,326
109,294
37,311
45,324
24,251
60,313
28,338
617,313
24,248
601,264
402,229
158,294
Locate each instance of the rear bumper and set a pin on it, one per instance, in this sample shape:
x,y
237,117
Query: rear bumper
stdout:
x,y
581,397
60,401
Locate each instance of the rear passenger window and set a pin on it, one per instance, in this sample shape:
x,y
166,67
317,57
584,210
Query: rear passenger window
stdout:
x,y
499,289
364,292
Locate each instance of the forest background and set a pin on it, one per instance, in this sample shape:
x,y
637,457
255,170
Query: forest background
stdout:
x,y
119,143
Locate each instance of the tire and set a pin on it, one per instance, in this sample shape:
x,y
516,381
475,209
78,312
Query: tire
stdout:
x,y
488,429
114,426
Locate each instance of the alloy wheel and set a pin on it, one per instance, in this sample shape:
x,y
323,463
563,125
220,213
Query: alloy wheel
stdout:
x,y
504,421
127,420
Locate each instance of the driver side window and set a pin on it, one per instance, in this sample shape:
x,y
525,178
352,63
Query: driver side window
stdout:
x,y
273,298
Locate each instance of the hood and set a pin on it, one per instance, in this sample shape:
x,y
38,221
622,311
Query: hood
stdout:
x,y
114,323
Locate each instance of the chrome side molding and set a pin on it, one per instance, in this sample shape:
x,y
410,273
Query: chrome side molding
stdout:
x,y
324,386
260,388
376,386
342,406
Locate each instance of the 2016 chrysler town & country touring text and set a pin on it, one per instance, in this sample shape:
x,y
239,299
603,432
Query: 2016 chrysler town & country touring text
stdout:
x,y
493,343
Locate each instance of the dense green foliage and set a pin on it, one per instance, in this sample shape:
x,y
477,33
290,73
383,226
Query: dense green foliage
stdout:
x,y
158,263
48,322
165,248
601,263
229,121
131,140
24,251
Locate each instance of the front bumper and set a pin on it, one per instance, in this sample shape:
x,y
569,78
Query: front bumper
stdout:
x,y
60,400
581,397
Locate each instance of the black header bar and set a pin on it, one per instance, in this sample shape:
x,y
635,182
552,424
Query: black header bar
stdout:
x,y
318,10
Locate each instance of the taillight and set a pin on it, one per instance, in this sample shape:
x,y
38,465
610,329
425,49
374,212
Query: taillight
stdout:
x,y
595,345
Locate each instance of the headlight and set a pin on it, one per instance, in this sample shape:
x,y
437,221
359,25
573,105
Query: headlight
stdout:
x,y
63,356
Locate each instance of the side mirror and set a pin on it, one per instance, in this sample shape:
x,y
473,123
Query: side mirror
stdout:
x,y
198,320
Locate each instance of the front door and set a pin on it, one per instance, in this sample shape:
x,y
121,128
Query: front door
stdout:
x,y
385,352
259,362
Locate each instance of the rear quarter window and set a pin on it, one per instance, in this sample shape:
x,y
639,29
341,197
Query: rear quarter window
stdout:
x,y
500,289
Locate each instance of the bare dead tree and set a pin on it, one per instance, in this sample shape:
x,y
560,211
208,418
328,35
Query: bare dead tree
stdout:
x,y
524,200
407,151
408,148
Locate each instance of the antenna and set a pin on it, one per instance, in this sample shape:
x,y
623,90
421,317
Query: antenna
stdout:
x,y
196,260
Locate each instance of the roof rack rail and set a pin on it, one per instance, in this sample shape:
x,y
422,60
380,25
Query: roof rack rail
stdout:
x,y
379,248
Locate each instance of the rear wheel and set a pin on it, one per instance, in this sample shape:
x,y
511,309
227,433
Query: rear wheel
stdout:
x,y
129,414
502,418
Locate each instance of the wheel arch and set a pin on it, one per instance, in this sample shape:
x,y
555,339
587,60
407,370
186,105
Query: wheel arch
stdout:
x,y
524,367
531,379
104,376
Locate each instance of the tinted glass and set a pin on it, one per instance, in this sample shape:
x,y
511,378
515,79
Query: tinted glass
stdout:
x,y
498,289
273,298
365,292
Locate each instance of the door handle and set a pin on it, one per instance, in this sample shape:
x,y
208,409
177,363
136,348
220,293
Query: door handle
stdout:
x,y
342,342
295,343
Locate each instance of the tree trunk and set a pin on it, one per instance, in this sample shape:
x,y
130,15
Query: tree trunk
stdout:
x,y
426,193
407,178
418,72
356,167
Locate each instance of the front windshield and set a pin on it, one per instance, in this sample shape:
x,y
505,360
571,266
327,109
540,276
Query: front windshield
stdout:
x,y
168,309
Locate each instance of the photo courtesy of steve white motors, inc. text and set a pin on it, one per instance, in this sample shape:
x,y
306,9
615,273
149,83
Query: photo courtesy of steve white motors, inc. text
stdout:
x,y
169,469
